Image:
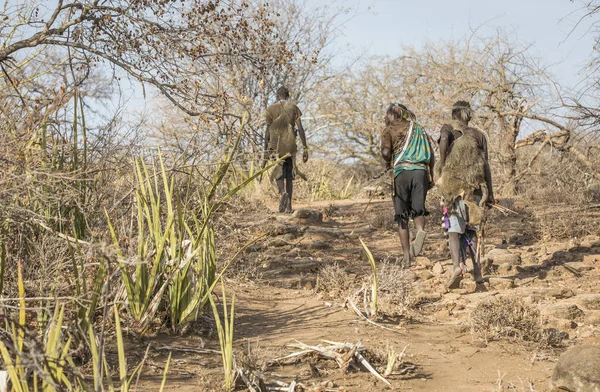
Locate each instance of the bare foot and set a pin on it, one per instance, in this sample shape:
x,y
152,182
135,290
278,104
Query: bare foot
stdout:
x,y
455,278
417,244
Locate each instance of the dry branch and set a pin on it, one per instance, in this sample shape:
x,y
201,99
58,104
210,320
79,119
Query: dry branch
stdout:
x,y
345,355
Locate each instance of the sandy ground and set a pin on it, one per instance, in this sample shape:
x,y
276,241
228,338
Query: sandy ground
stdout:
x,y
284,307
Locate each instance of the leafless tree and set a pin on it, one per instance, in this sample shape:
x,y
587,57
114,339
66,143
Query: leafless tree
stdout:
x,y
512,92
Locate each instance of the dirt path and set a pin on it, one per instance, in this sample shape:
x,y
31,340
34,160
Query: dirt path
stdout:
x,y
285,307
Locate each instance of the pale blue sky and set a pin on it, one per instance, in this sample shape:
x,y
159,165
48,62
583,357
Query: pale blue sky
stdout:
x,y
390,24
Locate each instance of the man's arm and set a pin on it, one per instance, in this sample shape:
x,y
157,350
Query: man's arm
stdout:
x,y
444,144
431,162
488,171
267,137
386,148
303,140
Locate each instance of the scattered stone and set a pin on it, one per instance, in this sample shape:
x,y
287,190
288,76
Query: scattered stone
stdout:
x,y
278,228
588,301
577,267
254,248
278,242
319,245
302,264
561,324
591,259
591,241
429,297
563,293
451,297
425,275
424,261
479,344
533,299
501,256
577,370
411,276
504,268
501,283
438,269
554,337
586,333
442,315
563,310
308,216
525,281
324,233
468,284
593,318
297,252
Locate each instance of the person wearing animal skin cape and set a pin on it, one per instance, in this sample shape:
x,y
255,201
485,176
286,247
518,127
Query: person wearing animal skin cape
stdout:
x,y
406,148
282,119
462,236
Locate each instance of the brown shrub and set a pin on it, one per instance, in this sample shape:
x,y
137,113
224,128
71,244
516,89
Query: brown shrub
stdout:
x,y
396,294
333,280
506,318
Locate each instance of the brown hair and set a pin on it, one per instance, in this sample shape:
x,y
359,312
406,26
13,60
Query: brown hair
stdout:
x,y
461,110
283,93
397,111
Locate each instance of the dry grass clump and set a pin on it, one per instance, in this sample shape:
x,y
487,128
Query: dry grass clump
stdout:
x,y
396,294
332,210
567,221
562,194
506,318
334,281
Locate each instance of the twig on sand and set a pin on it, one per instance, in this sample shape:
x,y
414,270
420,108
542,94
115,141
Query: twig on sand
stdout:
x,y
343,353
350,300
188,350
504,210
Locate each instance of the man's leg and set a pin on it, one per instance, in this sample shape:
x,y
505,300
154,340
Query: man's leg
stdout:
x,y
283,202
454,245
418,195
286,192
289,189
405,241
477,276
280,185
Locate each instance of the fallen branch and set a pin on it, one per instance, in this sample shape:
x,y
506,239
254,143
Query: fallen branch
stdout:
x,y
361,315
188,350
345,355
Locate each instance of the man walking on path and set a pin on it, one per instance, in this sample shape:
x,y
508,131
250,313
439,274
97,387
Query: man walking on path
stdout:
x,y
283,122
462,230
405,148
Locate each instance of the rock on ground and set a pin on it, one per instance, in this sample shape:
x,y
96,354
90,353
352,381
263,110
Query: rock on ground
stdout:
x,y
566,311
308,216
588,301
438,269
578,370
502,256
501,283
577,267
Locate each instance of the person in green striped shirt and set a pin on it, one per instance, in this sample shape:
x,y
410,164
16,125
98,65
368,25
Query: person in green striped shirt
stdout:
x,y
406,148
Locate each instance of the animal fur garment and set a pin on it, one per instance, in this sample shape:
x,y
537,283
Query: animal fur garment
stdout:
x,y
282,138
462,175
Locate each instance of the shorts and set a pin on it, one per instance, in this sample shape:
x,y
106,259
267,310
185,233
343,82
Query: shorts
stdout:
x,y
410,191
459,218
287,169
